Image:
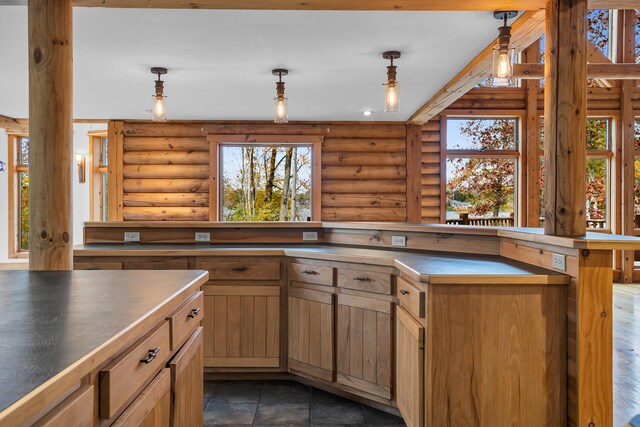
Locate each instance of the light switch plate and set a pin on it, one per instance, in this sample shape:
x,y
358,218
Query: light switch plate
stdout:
x,y
203,236
399,241
309,235
132,236
559,262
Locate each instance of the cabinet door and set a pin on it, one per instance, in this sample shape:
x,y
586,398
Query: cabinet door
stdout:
x,y
152,407
241,326
311,333
186,383
364,344
410,368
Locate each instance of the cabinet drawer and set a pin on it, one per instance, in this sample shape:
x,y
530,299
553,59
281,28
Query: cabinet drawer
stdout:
x,y
362,280
186,319
157,264
241,269
125,375
75,411
152,407
411,298
317,274
97,265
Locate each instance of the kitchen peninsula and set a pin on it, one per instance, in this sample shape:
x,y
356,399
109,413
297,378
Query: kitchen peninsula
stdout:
x,y
89,348
421,328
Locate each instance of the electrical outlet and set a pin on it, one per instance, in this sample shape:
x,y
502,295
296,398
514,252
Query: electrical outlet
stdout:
x,y
559,262
399,241
132,236
309,235
201,236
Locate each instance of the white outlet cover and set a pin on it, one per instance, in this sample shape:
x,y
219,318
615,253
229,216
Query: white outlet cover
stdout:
x,y
309,235
202,236
559,262
399,241
132,236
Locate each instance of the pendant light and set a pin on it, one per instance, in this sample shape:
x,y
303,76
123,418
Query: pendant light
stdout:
x,y
503,52
159,112
391,87
281,110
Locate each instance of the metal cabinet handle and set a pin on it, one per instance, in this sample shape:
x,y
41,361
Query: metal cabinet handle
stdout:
x,y
311,272
151,354
403,292
362,279
194,313
239,269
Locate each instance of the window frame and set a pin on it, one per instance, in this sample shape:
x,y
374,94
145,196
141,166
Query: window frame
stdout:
x,y
512,154
97,172
15,168
216,142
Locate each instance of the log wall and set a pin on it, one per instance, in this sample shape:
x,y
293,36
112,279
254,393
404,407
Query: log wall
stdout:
x,y
161,171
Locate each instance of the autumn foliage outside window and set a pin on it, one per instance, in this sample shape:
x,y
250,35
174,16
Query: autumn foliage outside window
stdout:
x,y
266,183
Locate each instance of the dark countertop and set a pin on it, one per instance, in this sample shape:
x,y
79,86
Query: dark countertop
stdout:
x,y
426,266
50,320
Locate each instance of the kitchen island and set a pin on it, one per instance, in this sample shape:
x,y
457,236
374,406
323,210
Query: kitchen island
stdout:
x,y
86,348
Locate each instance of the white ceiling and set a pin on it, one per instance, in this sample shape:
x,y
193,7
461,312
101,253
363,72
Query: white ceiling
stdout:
x,y
220,61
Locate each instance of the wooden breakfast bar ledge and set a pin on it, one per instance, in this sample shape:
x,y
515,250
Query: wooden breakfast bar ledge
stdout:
x,y
448,324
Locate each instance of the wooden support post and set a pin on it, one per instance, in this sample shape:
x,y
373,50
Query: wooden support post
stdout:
x,y
565,112
531,202
50,134
414,174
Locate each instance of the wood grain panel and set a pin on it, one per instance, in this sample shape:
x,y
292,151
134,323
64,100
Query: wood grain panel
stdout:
x,y
187,382
242,326
152,408
166,186
363,200
363,158
166,199
166,171
409,380
363,345
165,214
166,158
134,143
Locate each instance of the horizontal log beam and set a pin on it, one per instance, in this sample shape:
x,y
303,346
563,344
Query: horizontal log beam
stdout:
x,y
13,125
596,71
346,4
528,28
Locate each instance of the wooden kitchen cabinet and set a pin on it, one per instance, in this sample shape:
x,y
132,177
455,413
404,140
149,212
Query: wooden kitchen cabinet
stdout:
x,y
242,325
409,378
311,333
152,408
364,343
187,383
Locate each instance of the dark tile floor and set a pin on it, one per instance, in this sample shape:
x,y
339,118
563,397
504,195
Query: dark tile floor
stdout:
x,y
284,403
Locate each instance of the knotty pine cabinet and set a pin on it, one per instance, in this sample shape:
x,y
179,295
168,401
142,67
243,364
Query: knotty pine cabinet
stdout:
x,y
186,382
409,378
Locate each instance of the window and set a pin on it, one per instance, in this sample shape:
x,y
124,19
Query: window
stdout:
x,y
481,164
18,196
267,182
98,147
598,171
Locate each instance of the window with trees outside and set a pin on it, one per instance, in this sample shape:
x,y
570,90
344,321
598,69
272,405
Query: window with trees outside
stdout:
x,y
98,147
18,195
266,182
599,157
481,163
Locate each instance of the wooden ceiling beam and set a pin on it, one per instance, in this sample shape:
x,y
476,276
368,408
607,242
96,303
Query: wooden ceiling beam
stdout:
x,y
595,71
440,5
12,125
525,30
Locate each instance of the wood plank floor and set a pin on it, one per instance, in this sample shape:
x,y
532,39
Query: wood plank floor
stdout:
x,y
626,352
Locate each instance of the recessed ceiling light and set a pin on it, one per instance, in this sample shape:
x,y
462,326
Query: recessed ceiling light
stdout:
x,y
367,113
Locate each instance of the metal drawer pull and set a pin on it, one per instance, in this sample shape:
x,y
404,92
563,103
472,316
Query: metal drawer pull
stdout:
x,y
239,269
311,272
151,354
403,292
362,279
194,313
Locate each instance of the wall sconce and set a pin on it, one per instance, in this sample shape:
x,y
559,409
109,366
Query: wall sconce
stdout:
x,y
281,108
80,161
159,112
391,87
503,52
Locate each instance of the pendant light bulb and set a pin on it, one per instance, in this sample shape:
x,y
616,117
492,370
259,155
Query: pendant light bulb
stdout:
x,y
503,53
281,108
159,112
391,87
